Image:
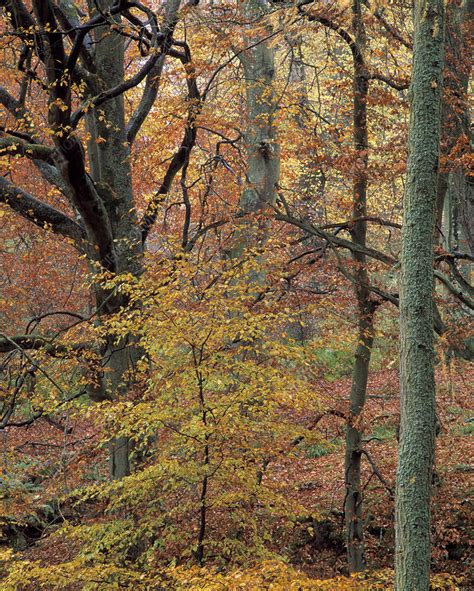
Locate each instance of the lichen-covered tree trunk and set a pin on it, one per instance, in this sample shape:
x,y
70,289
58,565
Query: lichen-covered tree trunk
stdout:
x,y
353,509
417,396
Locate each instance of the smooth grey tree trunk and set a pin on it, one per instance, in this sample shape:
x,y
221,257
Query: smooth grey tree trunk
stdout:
x,y
263,169
263,150
417,396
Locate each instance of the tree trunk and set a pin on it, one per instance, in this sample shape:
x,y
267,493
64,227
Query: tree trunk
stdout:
x,y
417,396
365,306
455,203
111,172
263,150
353,508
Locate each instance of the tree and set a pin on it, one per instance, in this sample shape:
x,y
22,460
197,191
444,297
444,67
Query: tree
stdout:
x,y
367,300
455,185
417,424
80,65
263,152
365,303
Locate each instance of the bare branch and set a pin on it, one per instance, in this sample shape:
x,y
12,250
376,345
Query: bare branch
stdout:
x,y
388,27
12,104
181,156
154,76
459,292
377,473
13,146
336,241
40,213
33,342
401,85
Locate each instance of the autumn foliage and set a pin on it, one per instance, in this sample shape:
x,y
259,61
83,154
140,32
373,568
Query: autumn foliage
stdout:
x,y
196,241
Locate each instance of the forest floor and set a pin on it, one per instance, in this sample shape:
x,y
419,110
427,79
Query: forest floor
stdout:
x,y
317,478
313,475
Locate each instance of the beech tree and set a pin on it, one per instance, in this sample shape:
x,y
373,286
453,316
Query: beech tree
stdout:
x,y
367,299
78,62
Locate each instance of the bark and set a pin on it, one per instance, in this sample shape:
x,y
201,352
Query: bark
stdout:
x,y
263,150
417,402
39,213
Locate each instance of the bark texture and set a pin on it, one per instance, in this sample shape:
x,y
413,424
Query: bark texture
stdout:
x,y
417,426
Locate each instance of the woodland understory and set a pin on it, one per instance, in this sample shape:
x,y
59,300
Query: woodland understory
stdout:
x,y
236,246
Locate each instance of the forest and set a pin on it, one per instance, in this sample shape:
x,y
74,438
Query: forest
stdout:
x,y
236,301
